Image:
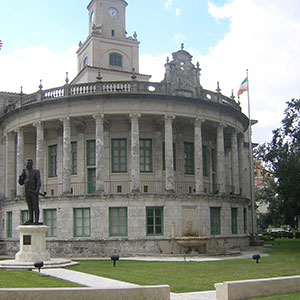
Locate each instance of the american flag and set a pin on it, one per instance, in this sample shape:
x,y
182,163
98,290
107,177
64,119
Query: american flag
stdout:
x,y
0,45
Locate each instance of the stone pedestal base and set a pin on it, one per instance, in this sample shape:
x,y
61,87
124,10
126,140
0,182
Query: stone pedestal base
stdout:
x,y
32,244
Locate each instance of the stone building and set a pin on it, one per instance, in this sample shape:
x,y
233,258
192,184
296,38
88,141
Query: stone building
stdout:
x,y
129,166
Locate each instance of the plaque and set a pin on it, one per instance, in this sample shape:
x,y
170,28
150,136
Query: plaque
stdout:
x,y
26,239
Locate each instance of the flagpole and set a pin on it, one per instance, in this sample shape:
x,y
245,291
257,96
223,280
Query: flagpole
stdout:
x,y
252,191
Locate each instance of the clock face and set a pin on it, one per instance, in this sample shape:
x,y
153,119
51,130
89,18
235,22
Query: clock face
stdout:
x,y
113,12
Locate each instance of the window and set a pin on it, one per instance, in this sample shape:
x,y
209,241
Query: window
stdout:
x,y
52,152
164,157
145,155
215,220
204,155
245,220
189,158
91,180
24,216
91,152
9,224
118,221
234,212
154,217
50,221
115,60
119,155
82,222
74,157
85,61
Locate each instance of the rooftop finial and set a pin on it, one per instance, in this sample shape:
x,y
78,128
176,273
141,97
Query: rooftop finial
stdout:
x,y
67,77
40,86
182,46
218,87
99,77
133,77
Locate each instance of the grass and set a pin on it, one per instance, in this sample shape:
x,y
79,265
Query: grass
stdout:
x,y
200,276
27,279
181,276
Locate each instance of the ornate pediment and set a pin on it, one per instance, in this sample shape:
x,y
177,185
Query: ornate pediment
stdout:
x,y
181,73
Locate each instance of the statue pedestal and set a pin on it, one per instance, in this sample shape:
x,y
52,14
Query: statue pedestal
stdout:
x,y
32,244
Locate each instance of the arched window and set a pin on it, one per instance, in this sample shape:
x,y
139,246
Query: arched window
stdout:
x,y
85,61
115,60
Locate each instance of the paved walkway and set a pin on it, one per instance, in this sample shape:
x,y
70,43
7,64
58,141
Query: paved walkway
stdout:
x,y
101,282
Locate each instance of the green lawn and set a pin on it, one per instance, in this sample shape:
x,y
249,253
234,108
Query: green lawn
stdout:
x,y
181,276
27,279
200,276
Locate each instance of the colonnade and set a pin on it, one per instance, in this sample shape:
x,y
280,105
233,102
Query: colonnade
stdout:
x,y
8,155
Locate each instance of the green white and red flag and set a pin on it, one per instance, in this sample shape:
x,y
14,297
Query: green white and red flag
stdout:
x,y
243,87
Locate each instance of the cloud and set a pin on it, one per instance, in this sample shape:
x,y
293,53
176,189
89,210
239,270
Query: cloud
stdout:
x,y
168,4
177,12
262,38
26,67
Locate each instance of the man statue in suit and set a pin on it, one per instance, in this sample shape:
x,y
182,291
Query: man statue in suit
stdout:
x,y
32,180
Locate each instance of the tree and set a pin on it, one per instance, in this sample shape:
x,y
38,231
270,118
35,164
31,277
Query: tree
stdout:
x,y
282,158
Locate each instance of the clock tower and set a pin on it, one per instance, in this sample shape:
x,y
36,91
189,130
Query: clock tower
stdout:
x,y
107,48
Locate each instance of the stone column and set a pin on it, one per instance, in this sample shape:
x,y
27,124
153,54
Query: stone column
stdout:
x,y
220,159
198,156
20,160
10,166
2,166
100,162
241,163
135,153
235,163
157,146
67,157
169,153
39,160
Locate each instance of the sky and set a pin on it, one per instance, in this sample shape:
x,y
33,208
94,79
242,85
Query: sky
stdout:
x,y
227,37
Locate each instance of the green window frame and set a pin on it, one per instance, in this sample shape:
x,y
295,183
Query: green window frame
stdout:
x,y
82,222
52,157
116,60
234,227
74,158
50,219
245,220
204,156
118,221
119,155
9,225
91,153
215,220
146,155
189,159
91,180
154,220
24,216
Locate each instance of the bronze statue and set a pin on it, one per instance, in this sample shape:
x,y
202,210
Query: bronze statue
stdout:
x,y
32,180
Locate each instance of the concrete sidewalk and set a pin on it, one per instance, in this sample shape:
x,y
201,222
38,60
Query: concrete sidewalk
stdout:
x,y
93,281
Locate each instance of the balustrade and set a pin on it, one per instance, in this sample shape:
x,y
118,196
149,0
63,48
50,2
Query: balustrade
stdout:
x,y
112,87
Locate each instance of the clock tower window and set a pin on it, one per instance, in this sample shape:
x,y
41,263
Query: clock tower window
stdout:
x,y
85,61
115,60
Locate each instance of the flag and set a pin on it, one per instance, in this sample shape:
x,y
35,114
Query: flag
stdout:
x,y
0,45
243,87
